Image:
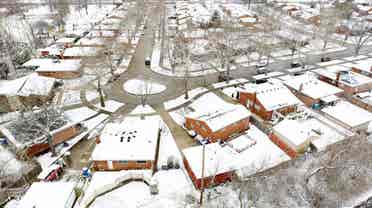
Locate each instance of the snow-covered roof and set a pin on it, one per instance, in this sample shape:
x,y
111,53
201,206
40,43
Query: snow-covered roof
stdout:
x,y
237,10
248,20
366,97
47,65
65,40
80,51
215,112
348,77
349,114
133,139
55,49
272,96
101,33
312,87
302,129
294,131
199,13
364,65
250,152
91,41
37,85
49,194
28,85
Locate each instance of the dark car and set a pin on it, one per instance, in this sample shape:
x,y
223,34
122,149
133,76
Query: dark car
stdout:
x,y
325,59
147,61
295,64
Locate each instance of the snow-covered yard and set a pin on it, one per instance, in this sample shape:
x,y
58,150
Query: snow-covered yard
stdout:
x,y
143,87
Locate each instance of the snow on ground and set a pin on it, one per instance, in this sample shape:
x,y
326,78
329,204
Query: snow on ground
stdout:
x,y
110,105
231,82
79,114
181,99
8,163
173,186
18,28
143,87
73,97
140,109
81,20
78,82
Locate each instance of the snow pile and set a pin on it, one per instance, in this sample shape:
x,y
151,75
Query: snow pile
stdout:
x,y
143,87
8,163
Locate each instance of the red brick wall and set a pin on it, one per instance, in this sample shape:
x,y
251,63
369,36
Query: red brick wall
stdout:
x,y
208,181
65,134
229,130
201,128
354,69
282,145
117,166
36,149
244,97
61,75
361,104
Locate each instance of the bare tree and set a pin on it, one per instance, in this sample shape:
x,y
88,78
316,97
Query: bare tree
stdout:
x,y
361,35
99,66
38,125
63,8
181,58
329,19
223,43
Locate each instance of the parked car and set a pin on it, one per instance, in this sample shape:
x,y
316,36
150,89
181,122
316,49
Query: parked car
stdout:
x,y
295,64
325,59
262,63
148,61
224,77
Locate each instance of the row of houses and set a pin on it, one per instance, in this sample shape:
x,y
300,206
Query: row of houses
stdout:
x,y
303,112
62,59
295,114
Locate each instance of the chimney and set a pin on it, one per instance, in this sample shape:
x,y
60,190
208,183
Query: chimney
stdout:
x,y
254,99
338,75
301,87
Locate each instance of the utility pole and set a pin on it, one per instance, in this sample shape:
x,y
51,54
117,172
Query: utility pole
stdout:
x,y
202,177
155,166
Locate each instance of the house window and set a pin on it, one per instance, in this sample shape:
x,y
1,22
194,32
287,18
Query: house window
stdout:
x,y
124,162
141,161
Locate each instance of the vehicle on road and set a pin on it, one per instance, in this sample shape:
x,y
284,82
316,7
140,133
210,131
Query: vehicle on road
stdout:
x,y
148,61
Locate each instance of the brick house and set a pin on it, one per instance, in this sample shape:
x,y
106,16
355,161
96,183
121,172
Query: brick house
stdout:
x,y
31,90
243,156
214,119
33,146
363,100
362,67
263,99
67,42
56,68
126,146
312,91
343,77
348,115
55,49
77,52
292,137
